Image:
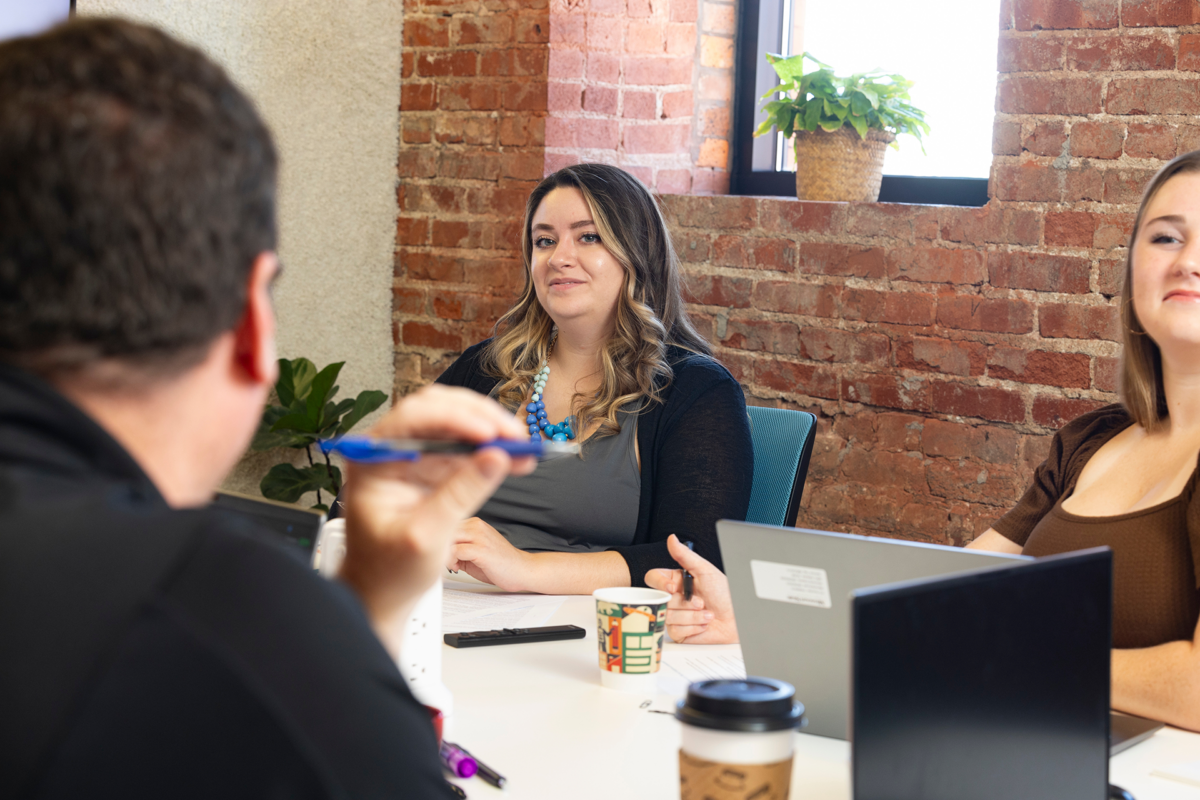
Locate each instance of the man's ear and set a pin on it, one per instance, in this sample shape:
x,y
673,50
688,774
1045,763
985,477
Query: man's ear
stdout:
x,y
254,336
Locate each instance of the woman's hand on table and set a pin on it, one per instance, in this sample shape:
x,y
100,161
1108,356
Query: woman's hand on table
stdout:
x,y
398,515
484,554
708,617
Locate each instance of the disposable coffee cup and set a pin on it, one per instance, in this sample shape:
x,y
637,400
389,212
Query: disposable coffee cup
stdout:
x,y
629,631
737,739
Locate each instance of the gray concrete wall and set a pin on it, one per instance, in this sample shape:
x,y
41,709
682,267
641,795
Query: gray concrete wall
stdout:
x,y
326,77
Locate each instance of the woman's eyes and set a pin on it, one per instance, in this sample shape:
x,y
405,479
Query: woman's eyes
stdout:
x,y
543,242
590,238
1163,238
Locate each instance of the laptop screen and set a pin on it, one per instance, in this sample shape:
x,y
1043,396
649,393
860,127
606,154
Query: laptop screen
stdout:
x,y
990,685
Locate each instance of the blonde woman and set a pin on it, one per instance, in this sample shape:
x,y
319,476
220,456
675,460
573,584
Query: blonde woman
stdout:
x,y
599,349
1125,476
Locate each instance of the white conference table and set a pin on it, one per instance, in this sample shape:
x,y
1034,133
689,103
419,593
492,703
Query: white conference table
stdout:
x,y
537,714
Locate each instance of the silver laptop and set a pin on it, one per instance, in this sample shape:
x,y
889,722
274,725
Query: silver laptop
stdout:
x,y
791,594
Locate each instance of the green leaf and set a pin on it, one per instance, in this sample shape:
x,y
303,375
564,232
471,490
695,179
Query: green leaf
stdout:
x,y
322,390
787,68
859,124
831,124
285,386
287,484
296,421
364,404
812,116
302,372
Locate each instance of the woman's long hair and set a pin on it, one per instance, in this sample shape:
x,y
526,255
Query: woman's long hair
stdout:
x,y
1141,361
650,311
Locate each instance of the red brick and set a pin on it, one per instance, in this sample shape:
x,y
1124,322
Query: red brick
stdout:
x,y
1054,412
788,216
730,251
717,212
1150,141
416,130
710,181
603,68
503,276
1112,230
990,444
1188,137
789,297
1189,52
532,29
773,254
566,97
1108,374
1029,181
944,356
465,129
898,432
898,221
936,265
473,96
490,29
1125,186
420,334
477,165
1072,370
1153,96
450,234
992,314
681,39
408,62
659,138
600,100
973,481
1049,94
1111,276
792,378
412,231
407,301
639,8
604,34
644,37
844,347
1083,183
1029,54
677,104
1156,13
418,96
1070,228
1039,272
1047,138
897,308
422,31
416,163
838,259
1097,139
1034,15
683,10
459,64
657,71
673,181
760,335
600,134
566,64
429,267
881,468
991,224
984,402
525,96
718,290
1075,321
1122,52
522,61
888,390
1006,138
639,105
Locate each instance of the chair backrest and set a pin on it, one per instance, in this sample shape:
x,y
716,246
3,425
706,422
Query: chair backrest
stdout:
x,y
783,444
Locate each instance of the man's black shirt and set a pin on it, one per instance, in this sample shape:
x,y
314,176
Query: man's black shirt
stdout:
x,y
147,652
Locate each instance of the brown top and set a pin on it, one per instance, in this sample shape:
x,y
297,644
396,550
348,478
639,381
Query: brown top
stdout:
x,y
1155,550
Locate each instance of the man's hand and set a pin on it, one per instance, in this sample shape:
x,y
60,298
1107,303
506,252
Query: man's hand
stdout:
x,y
400,517
708,617
481,552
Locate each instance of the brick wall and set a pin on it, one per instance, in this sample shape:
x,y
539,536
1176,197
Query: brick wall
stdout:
x,y
644,84
940,347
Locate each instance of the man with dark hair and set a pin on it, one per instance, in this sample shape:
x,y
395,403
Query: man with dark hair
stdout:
x,y
148,649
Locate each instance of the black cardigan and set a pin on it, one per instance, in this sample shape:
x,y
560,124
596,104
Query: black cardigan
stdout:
x,y
696,456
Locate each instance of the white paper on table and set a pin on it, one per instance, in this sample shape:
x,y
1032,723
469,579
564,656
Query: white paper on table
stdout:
x,y
485,611
693,668
1188,773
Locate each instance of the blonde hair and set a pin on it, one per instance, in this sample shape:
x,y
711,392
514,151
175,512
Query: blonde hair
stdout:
x,y
650,310
1141,361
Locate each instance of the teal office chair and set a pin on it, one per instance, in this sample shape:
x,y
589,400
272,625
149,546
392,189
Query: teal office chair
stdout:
x,y
783,444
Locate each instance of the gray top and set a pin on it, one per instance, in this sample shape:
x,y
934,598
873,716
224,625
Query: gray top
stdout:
x,y
575,504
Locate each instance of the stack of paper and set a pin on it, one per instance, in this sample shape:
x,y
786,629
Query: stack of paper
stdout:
x,y
486,611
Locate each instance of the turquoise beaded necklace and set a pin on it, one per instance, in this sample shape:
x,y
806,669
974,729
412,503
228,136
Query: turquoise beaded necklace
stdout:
x,y
536,419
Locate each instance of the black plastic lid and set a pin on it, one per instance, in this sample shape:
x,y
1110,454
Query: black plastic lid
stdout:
x,y
752,705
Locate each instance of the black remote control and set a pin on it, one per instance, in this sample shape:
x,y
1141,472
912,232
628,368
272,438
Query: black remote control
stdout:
x,y
514,636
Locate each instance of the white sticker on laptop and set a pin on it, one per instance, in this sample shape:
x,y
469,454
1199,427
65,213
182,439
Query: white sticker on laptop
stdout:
x,y
788,583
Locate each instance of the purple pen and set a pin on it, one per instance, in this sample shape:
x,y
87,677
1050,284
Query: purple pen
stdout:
x,y
457,762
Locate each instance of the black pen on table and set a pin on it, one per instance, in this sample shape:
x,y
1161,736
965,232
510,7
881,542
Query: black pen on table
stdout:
x,y
487,773
688,581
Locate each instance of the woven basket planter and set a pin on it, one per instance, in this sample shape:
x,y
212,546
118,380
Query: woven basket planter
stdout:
x,y
841,165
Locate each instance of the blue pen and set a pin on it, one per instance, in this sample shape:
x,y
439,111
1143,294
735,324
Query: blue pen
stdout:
x,y
369,450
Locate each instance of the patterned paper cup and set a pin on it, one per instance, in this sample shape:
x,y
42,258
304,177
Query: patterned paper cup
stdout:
x,y
630,625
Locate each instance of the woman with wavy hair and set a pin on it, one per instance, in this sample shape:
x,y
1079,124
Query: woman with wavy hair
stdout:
x,y
599,349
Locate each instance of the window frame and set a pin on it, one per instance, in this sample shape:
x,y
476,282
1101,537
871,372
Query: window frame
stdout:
x,y
753,77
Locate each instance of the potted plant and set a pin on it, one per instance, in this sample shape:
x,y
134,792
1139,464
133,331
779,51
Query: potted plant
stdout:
x,y
305,414
841,126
